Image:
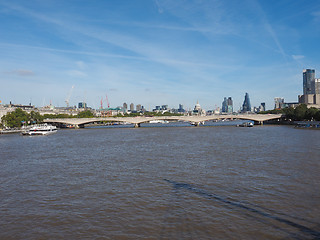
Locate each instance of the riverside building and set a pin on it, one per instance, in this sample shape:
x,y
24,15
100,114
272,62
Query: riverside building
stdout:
x,y
311,89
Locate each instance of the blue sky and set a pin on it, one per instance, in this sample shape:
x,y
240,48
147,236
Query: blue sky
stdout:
x,y
155,52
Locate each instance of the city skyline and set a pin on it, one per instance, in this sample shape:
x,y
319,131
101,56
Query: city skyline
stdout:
x,y
156,52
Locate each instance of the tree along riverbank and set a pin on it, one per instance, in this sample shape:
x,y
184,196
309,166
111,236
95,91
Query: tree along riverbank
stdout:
x,y
300,113
19,118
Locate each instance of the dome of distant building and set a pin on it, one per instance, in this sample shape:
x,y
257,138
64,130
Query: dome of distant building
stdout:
x,y
197,107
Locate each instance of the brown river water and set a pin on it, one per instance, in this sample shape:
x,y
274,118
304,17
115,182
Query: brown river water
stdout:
x,y
214,182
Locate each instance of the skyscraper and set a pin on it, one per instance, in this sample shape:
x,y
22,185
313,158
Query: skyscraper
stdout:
x,y
125,106
246,106
181,110
278,102
131,107
317,85
308,81
230,105
227,105
224,105
82,105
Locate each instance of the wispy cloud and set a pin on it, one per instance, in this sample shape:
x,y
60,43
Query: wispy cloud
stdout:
x,y
259,10
181,49
21,73
297,57
57,50
76,73
160,9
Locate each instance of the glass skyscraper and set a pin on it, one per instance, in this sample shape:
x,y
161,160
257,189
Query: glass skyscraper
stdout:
x,y
309,81
227,105
246,106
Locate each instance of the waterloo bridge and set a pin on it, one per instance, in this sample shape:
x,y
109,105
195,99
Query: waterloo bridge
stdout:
x,y
136,121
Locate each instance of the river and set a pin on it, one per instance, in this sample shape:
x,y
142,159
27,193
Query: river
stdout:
x,y
214,182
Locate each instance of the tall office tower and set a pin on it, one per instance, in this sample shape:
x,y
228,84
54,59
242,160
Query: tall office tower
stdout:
x,y
224,108
229,105
138,107
82,105
131,107
308,81
181,108
246,106
125,106
263,107
278,102
317,85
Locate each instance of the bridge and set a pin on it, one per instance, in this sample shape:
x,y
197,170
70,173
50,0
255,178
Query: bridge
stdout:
x,y
136,121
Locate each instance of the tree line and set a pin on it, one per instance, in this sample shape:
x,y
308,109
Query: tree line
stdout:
x,y
18,117
300,113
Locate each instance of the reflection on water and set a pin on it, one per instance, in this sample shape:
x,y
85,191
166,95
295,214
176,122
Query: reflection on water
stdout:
x,y
218,182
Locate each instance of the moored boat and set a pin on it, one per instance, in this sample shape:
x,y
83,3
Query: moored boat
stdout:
x,y
245,124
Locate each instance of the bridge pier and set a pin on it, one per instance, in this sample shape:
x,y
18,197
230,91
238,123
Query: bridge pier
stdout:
x,y
137,125
258,123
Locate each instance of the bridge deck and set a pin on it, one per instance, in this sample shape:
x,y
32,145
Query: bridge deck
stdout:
x,y
138,120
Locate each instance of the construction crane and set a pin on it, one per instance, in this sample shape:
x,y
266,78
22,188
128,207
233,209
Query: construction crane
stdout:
x,y
107,101
69,95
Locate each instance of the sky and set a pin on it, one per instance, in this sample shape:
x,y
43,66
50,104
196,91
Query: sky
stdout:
x,y
156,52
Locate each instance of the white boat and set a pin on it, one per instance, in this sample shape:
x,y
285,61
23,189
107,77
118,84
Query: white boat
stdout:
x,y
159,121
245,124
40,129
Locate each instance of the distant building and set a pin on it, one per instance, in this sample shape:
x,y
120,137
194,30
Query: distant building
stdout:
x,y
317,85
164,107
125,107
311,89
230,105
131,107
290,105
217,111
308,81
310,99
278,103
198,110
261,108
138,108
246,106
227,105
82,105
224,105
180,109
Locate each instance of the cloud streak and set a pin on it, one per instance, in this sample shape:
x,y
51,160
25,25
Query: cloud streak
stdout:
x,y
21,73
183,49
